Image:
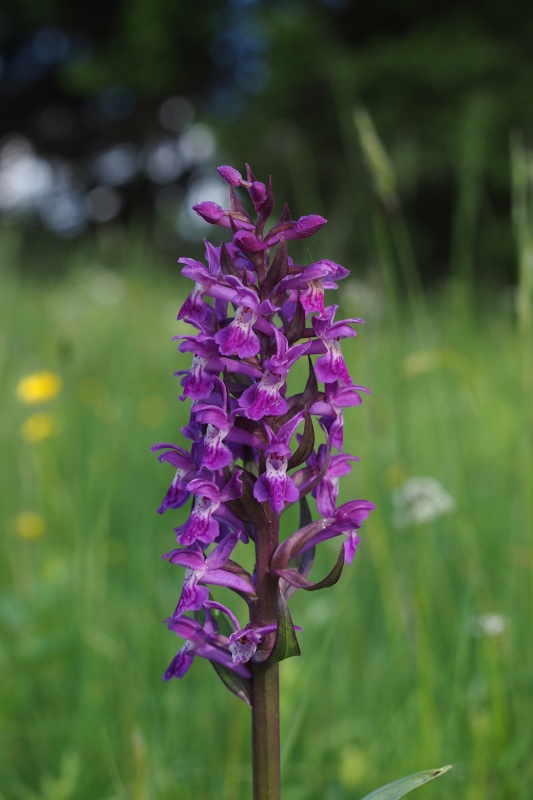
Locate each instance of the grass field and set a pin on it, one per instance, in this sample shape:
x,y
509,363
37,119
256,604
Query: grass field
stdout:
x,y
421,656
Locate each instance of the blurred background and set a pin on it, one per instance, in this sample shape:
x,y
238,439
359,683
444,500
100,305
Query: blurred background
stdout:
x,y
409,127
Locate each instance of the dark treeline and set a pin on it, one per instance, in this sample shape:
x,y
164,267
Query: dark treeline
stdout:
x,y
277,83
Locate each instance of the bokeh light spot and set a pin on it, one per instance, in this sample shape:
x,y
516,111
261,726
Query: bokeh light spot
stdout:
x,y
38,427
152,411
175,113
103,203
29,525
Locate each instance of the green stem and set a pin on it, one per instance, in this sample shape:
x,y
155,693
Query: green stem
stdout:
x,y
265,677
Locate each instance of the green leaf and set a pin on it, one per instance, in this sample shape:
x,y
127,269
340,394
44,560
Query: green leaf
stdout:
x,y
310,392
296,326
393,791
303,562
305,448
222,622
246,507
239,686
300,580
226,264
305,513
277,270
286,644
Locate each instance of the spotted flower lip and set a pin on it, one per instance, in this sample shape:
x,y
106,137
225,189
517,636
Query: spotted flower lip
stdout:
x,y
254,314
243,643
331,367
216,454
274,486
239,337
265,397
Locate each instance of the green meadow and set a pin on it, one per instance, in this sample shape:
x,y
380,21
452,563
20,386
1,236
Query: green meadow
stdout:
x,y
422,655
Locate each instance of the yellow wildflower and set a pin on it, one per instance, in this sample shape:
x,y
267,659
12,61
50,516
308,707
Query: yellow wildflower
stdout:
x,y
38,427
39,387
29,525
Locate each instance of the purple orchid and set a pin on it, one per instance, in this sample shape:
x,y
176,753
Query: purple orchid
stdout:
x,y
331,367
212,569
200,641
274,486
331,409
254,315
327,491
348,519
312,281
239,337
209,508
265,397
216,454
187,467
243,642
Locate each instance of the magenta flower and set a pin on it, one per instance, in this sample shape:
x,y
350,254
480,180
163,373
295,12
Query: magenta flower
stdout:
x,y
216,454
327,491
331,409
252,449
274,486
187,467
331,367
348,519
200,641
312,281
239,337
265,398
209,507
211,569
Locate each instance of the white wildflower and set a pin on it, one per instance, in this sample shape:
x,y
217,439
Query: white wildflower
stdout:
x,y
420,500
489,624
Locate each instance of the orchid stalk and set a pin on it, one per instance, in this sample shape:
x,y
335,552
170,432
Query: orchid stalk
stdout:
x,y
254,451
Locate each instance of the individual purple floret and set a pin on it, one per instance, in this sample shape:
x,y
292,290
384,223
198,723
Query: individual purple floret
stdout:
x,y
265,397
199,641
274,486
257,442
312,281
215,569
332,470
209,508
